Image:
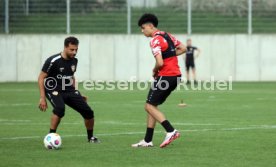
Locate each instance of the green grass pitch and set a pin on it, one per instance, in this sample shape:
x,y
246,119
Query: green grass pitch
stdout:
x,y
234,128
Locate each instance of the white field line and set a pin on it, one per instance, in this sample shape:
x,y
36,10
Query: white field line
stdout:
x,y
195,124
18,90
175,123
28,122
16,104
13,120
135,133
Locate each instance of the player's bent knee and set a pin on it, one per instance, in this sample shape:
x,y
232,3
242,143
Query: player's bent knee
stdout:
x,y
59,114
148,107
59,111
87,114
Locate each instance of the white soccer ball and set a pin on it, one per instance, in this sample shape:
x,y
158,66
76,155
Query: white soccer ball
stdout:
x,y
52,141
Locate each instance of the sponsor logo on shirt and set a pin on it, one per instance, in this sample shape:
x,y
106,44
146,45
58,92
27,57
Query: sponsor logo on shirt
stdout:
x,y
73,68
61,69
59,76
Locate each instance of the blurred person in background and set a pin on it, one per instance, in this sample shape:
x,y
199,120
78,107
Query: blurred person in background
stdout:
x,y
191,54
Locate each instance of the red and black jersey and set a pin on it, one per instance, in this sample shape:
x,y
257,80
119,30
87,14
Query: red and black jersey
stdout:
x,y
159,45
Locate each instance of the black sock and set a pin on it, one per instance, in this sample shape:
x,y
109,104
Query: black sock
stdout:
x,y
52,131
89,134
167,125
149,135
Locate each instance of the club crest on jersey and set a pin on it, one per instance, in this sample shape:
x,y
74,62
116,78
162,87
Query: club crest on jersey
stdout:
x,y
61,69
73,67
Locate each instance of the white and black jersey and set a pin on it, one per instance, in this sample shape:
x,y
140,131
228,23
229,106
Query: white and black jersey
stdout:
x,y
60,73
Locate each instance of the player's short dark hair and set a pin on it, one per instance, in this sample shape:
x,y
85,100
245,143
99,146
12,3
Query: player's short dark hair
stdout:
x,y
148,18
71,40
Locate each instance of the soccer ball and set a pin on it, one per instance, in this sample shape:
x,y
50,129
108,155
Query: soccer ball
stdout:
x,y
52,141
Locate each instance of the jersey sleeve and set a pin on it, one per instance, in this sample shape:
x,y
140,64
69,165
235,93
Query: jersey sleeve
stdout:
x,y
195,48
155,45
47,67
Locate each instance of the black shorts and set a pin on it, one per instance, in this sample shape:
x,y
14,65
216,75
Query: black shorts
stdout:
x,y
73,99
190,64
162,88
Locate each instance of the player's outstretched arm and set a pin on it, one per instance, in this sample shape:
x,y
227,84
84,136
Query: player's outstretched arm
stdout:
x,y
42,101
180,49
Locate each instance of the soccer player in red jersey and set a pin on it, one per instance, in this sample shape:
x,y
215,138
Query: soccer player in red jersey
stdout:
x,y
166,72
